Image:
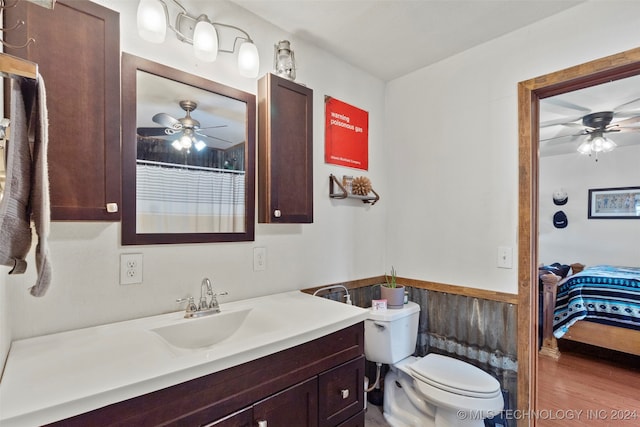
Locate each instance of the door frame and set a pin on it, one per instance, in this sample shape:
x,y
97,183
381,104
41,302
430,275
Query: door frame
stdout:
x,y
614,67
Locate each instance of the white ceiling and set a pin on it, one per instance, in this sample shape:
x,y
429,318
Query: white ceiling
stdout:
x,y
392,38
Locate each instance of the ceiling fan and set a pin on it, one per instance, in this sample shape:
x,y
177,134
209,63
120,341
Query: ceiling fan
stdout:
x,y
595,127
185,132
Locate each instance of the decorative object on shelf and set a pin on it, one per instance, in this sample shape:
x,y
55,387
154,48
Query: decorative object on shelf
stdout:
x,y
392,291
284,61
614,203
345,194
361,186
347,183
200,31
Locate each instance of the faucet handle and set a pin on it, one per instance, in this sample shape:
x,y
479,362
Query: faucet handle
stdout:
x,y
191,305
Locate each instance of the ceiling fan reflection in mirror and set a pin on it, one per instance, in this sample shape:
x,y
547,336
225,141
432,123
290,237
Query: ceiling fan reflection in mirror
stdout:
x,y
184,132
595,128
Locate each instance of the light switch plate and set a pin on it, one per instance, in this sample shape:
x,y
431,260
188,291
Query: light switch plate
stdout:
x,y
259,259
505,257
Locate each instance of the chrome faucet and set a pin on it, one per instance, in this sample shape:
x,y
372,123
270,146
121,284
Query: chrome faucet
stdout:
x,y
203,299
205,308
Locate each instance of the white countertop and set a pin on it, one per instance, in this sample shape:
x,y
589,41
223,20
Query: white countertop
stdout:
x,y
57,376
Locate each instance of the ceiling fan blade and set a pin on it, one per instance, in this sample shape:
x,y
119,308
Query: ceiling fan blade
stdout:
x,y
142,131
633,121
623,106
564,136
215,137
167,121
563,122
213,127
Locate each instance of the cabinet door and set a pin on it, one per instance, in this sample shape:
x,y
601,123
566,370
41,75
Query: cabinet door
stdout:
x,y
285,151
239,419
341,392
295,406
77,49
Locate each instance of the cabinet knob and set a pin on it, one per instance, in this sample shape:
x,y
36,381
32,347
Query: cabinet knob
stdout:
x,y
344,393
277,213
262,423
112,207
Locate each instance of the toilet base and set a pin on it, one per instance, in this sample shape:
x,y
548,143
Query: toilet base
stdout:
x,y
403,406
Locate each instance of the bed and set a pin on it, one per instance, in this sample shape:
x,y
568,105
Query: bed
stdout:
x,y
599,305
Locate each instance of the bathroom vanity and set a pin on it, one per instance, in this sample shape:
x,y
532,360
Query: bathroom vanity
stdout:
x,y
294,360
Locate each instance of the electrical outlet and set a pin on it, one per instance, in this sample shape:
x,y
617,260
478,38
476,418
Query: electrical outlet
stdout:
x,y
130,269
259,259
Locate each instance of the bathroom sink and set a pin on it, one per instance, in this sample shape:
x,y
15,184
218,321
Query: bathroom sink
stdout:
x,y
203,331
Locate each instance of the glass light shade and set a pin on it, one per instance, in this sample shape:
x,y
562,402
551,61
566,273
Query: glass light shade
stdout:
x,y
596,144
205,41
152,21
176,144
200,145
608,145
248,60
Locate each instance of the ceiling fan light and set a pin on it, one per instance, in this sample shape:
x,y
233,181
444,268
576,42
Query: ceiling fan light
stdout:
x,y
199,145
585,147
185,141
176,144
248,60
151,20
608,145
205,41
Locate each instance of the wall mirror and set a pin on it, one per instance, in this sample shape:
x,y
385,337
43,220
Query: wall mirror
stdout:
x,y
188,157
607,73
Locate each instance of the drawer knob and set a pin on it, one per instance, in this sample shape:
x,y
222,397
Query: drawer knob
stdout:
x,y
344,393
277,213
262,423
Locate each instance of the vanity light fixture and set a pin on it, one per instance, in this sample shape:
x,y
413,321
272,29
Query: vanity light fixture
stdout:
x,y
200,31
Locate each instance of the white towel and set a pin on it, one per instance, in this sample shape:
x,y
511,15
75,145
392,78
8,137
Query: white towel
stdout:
x,y
26,196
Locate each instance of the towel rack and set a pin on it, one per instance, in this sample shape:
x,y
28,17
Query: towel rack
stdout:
x,y
12,66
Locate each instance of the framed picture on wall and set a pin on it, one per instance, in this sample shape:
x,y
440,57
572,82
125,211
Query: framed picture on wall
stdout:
x,y
614,203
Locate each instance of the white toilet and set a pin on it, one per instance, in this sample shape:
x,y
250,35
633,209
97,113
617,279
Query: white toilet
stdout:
x,y
434,390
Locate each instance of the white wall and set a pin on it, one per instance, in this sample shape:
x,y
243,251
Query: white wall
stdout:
x,y
588,241
443,156
452,135
345,242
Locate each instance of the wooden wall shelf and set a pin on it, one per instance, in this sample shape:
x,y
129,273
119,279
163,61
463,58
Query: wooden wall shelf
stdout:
x,y
344,194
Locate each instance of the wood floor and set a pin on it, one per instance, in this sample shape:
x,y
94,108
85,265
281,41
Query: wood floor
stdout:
x,y
588,386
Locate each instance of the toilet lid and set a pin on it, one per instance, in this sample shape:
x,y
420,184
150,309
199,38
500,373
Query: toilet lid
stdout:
x,y
455,376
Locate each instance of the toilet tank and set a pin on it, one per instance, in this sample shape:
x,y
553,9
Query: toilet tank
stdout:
x,y
390,335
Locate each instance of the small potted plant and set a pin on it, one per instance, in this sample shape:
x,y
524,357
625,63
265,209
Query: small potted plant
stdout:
x,y
392,291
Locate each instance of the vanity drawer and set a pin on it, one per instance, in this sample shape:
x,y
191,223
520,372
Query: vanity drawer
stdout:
x,y
341,392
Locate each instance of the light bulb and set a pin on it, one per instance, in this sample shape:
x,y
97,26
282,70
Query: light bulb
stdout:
x,y
205,41
248,60
176,144
152,21
199,145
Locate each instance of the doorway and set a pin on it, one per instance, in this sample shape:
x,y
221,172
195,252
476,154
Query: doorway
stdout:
x,y
593,73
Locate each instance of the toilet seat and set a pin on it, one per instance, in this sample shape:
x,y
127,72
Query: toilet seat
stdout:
x,y
455,376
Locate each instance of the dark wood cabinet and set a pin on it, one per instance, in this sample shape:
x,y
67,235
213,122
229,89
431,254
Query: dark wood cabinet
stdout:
x,y
285,151
318,383
77,49
295,406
